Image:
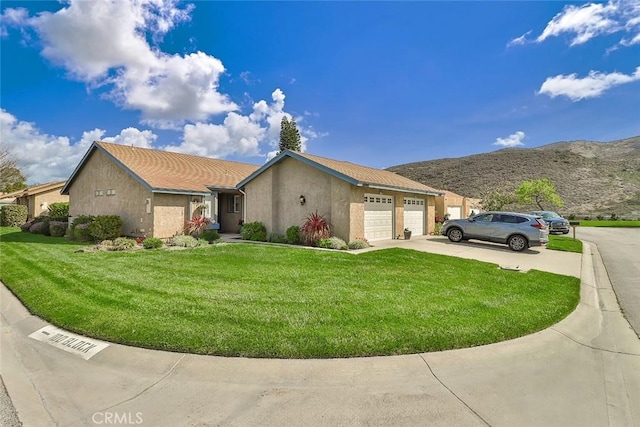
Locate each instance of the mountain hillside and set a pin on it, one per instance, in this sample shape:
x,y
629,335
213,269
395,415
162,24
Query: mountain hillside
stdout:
x,y
591,177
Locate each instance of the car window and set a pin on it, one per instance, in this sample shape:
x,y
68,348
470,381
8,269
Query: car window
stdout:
x,y
510,219
521,219
483,217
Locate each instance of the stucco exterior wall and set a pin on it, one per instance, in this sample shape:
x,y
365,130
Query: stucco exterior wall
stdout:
x,y
452,199
274,197
36,202
129,201
170,211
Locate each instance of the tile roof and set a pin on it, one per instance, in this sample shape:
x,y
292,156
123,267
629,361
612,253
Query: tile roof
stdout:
x,y
370,176
164,170
35,189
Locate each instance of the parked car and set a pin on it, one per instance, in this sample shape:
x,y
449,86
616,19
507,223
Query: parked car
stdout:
x,y
556,223
519,231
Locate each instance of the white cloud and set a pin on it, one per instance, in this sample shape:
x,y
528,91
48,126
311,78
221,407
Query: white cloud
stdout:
x,y
513,140
44,158
104,44
594,85
519,40
241,135
584,22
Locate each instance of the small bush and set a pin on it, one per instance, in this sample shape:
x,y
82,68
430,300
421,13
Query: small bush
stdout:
x,y
13,215
587,218
294,236
123,244
36,227
210,236
81,232
58,228
315,227
437,228
332,243
152,243
613,216
571,217
196,226
40,225
255,231
183,241
82,219
26,226
358,244
59,211
105,227
276,238
600,217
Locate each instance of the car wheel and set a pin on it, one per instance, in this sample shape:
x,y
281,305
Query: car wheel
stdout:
x,y
517,243
455,235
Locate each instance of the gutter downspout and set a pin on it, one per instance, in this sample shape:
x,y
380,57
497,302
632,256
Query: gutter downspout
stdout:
x,y
244,205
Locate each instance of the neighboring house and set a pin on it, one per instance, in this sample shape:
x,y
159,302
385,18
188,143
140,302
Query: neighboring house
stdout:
x,y
37,198
156,192
456,206
358,201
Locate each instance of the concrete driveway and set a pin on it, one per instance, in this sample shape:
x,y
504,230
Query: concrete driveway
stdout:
x,y
582,371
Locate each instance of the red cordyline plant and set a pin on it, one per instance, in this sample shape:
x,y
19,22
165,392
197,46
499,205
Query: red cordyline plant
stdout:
x,y
196,226
315,227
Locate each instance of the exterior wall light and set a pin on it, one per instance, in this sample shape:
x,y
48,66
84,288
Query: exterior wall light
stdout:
x,y
302,200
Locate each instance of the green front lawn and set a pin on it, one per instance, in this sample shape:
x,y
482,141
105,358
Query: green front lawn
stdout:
x,y
276,301
605,223
564,243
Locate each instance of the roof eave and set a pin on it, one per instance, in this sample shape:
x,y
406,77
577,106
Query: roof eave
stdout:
x,y
403,189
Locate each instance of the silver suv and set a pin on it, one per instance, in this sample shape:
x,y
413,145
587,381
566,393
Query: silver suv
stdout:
x,y
556,223
519,231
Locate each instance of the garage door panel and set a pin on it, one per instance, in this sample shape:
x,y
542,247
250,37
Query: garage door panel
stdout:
x,y
414,214
378,217
455,212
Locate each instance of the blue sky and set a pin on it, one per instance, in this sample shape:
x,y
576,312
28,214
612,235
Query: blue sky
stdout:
x,y
374,83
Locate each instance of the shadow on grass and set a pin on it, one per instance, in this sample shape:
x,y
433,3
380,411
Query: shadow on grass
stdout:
x,y
23,237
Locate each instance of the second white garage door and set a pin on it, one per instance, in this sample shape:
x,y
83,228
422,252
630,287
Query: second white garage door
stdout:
x,y
378,217
414,215
455,212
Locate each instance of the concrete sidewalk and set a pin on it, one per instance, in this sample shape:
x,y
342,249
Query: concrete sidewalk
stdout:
x,y
583,371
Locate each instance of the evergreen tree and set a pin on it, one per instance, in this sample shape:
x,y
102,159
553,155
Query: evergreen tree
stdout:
x,y
289,135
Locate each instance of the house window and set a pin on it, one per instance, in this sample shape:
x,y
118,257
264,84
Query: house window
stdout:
x,y
98,193
234,204
111,192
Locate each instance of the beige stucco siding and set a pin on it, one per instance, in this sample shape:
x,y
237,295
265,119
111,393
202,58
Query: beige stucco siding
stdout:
x,y
170,211
274,197
38,204
129,201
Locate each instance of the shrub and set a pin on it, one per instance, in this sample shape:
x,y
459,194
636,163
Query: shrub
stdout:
x,y
152,243
332,243
123,243
26,226
276,238
82,219
58,228
255,231
613,216
437,228
196,226
587,218
13,215
36,227
43,227
315,227
294,236
81,232
210,236
358,244
105,227
571,217
59,210
600,217
183,241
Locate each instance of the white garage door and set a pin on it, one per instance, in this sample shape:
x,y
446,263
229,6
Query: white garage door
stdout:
x,y
455,212
414,215
378,217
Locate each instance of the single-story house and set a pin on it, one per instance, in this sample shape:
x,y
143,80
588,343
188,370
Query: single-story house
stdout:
x,y
456,206
156,192
37,198
357,201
